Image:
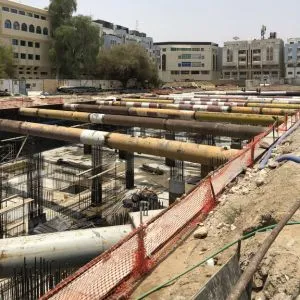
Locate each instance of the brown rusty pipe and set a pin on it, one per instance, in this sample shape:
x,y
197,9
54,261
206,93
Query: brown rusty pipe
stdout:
x,y
202,154
267,103
216,129
234,118
261,109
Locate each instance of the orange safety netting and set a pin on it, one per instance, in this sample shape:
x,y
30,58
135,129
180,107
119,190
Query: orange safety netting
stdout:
x,y
114,272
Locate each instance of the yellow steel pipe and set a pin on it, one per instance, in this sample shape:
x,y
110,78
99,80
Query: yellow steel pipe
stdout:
x,y
203,154
262,110
55,114
275,105
230,130
236,118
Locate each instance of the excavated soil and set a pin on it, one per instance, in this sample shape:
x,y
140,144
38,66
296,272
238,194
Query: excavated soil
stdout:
x,y
256,198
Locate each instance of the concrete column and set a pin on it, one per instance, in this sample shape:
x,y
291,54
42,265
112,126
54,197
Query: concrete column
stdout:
x,y
96,180
205,170
87,149
236,144
130,170
176,189
176,182
170,136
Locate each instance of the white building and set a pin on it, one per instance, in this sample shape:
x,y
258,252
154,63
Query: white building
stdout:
x,y
27,30
188,61
112,34
256,59
292,58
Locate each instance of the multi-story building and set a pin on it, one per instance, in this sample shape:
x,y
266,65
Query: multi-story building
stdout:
x,y
112,34
256,59
188,61
27,30
292,58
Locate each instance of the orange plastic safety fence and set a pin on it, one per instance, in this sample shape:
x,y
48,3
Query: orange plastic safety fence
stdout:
x,y
135,255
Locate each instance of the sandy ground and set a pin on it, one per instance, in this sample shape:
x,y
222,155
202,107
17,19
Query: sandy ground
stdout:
x,y
256,198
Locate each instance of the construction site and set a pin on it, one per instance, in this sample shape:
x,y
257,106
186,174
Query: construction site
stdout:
x,y
130,196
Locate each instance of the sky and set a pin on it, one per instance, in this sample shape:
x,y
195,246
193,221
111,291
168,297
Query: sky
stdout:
x,y
195,20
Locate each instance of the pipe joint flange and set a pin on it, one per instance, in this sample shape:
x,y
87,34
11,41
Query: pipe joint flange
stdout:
x,y
96,118
73,107
92,137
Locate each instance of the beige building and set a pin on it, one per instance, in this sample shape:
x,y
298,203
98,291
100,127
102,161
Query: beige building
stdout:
x,y
188,61
27,30
257,59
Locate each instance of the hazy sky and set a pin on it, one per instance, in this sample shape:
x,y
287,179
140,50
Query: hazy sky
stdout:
x,y
195,20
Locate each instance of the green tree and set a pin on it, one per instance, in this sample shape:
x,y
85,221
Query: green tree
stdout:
x,y
75,40
125,62
76,47
61,12
6,62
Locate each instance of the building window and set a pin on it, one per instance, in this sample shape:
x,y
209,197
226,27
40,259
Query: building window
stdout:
x,y
30,56
164,49
196,64
175,72
195,72
16,26
164,62
21,72
23,56
24,27
202,49
21,12
31,28
45,31
186,56
15,42
44,73
7,24
229,55
16,55
298,73
37,45
43,18
36,16
290,73
23,43
5,8
30,44
185,72
14,11
269,53
186,64
38,30
37,57
29,14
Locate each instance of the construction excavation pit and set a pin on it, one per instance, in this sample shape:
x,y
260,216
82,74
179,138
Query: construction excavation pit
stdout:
x,y
95,192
